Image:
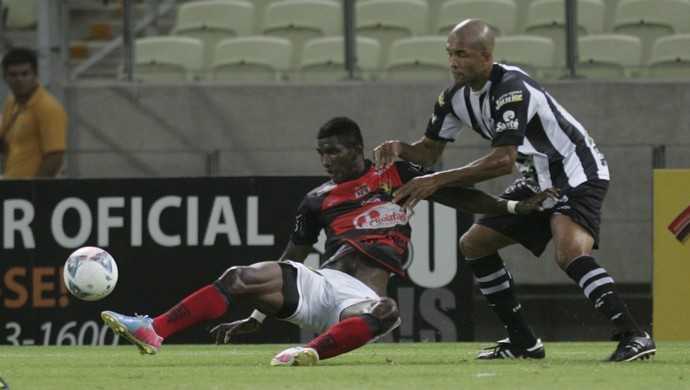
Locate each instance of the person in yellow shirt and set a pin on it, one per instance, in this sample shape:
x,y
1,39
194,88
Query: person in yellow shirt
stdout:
x,y
34,123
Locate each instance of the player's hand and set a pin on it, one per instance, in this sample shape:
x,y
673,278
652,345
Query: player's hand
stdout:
x,y
386,153
223,332
534,202
421,187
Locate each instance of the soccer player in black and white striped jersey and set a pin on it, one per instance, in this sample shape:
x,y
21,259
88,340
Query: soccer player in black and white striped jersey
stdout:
x,y
528,128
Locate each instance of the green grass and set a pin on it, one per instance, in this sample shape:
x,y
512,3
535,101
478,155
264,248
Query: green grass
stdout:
x,y
427,366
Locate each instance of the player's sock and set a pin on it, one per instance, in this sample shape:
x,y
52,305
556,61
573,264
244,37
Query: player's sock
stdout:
x,y
599,287
346,335
205,304
496,284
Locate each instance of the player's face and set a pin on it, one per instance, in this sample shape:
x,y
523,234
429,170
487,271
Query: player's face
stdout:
x,y
21,79
340,161
467,64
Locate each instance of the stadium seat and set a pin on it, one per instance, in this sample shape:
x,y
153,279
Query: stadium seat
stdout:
x,y
418,58
323,59
651,19
609,56
302,20
547,18
375,19
254,58
214,20
168,58
500,14
534,54
260,7
670,58
21,14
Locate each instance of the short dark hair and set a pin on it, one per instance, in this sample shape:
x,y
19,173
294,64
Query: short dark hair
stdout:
x,y
20,55
345,129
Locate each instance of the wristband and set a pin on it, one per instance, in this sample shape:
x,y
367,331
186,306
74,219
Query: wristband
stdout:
x,y
259,316
511,205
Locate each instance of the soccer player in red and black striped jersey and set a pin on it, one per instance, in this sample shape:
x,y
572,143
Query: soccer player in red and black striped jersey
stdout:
x,y
368,237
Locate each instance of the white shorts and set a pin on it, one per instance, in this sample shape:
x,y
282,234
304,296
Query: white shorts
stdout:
x,y
324,294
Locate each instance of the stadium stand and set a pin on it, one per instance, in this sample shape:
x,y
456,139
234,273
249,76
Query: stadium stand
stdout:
x,y
211,21
670,58
418,58
323,59
609,56
534,54
375,20
547,18
169,58
500,14
651,19
302,20
251,58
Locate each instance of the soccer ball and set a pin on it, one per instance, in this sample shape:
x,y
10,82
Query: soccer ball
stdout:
x,y
90,273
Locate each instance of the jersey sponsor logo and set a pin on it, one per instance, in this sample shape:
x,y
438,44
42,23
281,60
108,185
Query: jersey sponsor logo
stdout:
x,y
510,122
510,97
680,227
380,217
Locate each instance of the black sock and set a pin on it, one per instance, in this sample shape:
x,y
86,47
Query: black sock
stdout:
x,y
599,287
496,284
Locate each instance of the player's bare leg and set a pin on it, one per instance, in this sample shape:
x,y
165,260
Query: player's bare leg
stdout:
x,y
259,284
480,247
359,324
574,245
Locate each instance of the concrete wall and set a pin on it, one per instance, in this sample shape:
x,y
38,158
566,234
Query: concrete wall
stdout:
x,y
189,130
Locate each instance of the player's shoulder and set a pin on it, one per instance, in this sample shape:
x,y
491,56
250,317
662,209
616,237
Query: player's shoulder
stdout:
x,y
512,77
448,93
322,189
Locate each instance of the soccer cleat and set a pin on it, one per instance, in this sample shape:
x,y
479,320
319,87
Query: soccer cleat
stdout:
x,y
137,329
631,347
296,356
505,350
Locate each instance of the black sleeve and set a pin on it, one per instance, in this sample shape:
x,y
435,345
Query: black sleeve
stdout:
x,y
307,225
510,112
409,171
444,125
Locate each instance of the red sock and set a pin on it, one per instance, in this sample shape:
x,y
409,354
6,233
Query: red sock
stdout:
x,y
342,337
205,304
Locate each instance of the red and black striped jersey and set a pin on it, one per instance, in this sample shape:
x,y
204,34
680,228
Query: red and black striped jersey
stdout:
x,y
359,214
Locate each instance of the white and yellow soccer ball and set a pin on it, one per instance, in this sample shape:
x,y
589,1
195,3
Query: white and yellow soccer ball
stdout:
x,y
90,273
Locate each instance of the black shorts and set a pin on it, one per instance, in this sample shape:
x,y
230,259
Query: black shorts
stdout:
x,y
582,204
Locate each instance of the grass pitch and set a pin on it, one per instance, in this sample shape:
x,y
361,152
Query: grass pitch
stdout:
x,y
428,366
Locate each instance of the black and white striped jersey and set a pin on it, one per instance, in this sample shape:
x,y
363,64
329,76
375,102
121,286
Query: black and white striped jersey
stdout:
x,y
554,149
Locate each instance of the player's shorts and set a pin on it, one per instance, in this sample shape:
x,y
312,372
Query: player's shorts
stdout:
x,y
323,295
582,204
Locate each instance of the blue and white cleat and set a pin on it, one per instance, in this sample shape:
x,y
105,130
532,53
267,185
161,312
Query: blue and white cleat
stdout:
x,y
137,329
296,356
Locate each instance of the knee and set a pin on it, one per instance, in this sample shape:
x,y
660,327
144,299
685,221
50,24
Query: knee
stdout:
x,y
235,280
386,312
469,246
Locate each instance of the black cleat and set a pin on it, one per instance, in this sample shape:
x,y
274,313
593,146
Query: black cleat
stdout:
x,y
632,347
505,350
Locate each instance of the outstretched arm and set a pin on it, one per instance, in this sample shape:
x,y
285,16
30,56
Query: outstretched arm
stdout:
x,y
497,163
474,201
424,151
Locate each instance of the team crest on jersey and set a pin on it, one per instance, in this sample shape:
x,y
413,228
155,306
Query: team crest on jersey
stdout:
x,y
510,122
381,217
361,191
510,97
